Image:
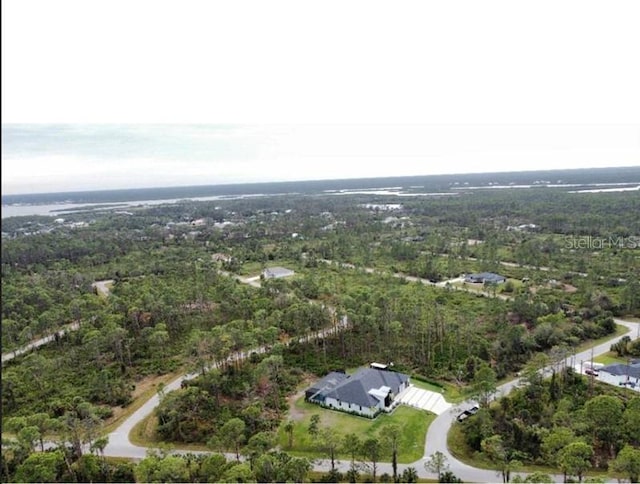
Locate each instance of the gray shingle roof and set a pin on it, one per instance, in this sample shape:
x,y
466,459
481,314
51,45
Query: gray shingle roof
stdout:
x,y
487,276
620,369
278,272
355,388
328,382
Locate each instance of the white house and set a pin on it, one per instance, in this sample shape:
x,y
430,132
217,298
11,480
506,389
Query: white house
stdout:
x,y
621,375
483,277
277,272
367,392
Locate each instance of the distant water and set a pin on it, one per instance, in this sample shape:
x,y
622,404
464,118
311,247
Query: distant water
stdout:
x,y
607,190
62,209
29,210
58,204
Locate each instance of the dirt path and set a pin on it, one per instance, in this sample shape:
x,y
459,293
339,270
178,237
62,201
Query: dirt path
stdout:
x,y
294,412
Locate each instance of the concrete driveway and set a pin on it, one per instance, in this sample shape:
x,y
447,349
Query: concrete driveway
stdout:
x,y
424,400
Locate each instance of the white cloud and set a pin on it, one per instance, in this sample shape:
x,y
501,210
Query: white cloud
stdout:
x,y
285,61
410,88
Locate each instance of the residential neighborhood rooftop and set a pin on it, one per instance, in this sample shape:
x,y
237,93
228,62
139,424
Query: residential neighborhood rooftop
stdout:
x,y
485,277
366,388
275,272
620,369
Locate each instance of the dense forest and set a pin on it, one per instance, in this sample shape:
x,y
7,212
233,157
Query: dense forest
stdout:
x,y
564,422
176,304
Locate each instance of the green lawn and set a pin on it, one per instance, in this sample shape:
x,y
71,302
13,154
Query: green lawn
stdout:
x,y
620,330
451,393
251,268
609,358
517,284
413,423
427,386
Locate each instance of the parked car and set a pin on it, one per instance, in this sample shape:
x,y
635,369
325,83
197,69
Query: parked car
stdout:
x,y
464,416
467,413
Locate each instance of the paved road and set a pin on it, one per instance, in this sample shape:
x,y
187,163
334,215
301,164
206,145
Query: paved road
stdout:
x,y
101,286
436,439
119,444
39,342
252,281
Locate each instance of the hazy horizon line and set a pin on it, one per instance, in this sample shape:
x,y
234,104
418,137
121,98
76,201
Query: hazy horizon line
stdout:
x,y
320,180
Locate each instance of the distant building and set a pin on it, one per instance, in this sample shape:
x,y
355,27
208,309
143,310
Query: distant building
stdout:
x,y
220,257
483,277
523,228
367,392
277,272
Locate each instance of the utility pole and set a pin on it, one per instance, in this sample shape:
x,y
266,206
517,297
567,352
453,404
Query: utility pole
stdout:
x,y
592,375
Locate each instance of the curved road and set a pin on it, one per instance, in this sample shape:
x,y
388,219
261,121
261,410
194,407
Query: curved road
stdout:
x,y
436,439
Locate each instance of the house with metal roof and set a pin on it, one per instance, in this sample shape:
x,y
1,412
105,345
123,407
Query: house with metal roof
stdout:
x,y
367,392
277,272
482,277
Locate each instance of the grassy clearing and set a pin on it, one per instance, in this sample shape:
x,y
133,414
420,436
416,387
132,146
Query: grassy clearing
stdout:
x,y
427,386
470,286
620,330
251,268
609,358
460,450
517,284
413,423
451,393
144,435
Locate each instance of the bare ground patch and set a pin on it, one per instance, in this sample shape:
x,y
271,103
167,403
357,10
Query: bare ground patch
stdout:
x,y
294,412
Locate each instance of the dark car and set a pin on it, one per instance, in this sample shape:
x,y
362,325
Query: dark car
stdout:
x,y
463,416
467,413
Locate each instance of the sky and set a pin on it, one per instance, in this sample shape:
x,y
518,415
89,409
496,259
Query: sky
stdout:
x,y
119,94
